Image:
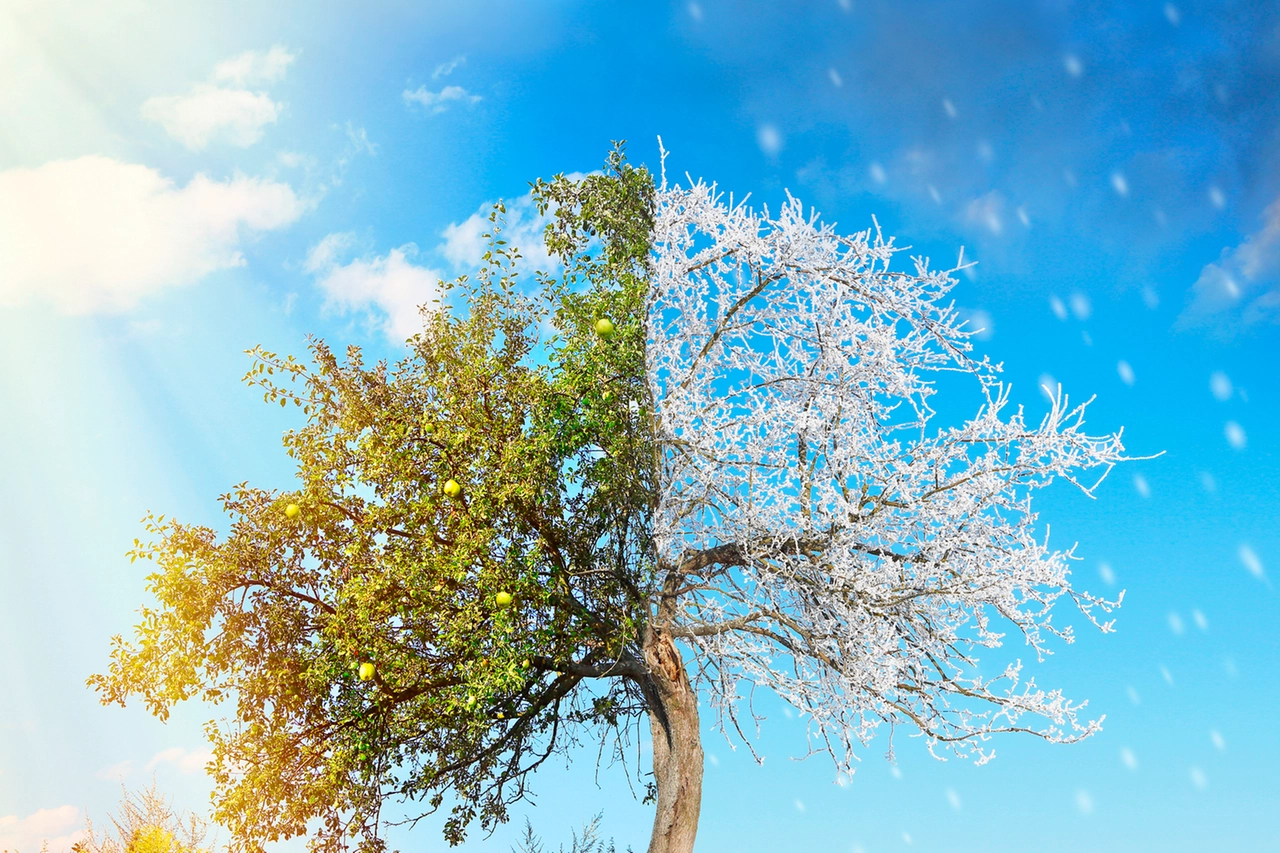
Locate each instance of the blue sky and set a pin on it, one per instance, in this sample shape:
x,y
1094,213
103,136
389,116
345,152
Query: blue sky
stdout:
x,y
179,182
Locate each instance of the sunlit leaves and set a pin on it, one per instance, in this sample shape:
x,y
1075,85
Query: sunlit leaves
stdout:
x,y
468,525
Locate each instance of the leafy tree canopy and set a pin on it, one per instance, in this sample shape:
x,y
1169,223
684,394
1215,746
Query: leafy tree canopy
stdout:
x,y
466,544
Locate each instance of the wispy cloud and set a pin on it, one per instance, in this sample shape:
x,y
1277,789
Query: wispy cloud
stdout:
x,y
324,255
60,827
444,69
95,234
116,772
255,67
224,110
207,112
188,761
1243,286
438,102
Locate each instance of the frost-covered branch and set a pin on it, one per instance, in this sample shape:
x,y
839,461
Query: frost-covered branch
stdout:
x,y
819,534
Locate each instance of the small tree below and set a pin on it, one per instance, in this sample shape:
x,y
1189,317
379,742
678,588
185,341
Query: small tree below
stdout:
x,y
146,823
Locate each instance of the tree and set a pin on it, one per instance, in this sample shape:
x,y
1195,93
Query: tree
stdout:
x,y
510,540
590,841
146,823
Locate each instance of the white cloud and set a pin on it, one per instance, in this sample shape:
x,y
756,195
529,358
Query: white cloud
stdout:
x,y
438,102
324,255
116,772
391,286
444,69
230,112
255,66
188,761
464,242
210,112
60,827
1244,283
96,234
295,160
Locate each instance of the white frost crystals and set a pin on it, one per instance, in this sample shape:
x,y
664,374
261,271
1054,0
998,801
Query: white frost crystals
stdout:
x,y
842,553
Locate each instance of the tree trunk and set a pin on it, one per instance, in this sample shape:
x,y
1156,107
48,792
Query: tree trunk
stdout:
x,y
677,746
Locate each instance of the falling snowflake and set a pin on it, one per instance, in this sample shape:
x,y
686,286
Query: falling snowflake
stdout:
x,y
1058,307
1220,385
769,139
1251,562
1140,483
1080,306
1235,435
1119,184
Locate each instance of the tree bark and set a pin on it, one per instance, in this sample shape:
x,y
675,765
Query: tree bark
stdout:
x,y
677,745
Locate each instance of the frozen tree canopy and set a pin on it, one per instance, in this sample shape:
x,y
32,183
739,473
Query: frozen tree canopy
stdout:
x,y
820,534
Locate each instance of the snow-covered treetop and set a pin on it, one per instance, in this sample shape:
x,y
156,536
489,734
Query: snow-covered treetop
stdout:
x,y
819,533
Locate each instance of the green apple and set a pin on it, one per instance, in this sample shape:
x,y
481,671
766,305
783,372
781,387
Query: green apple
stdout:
x,y
605,328
293,511
366,671
503,599
452,489
428,428
525,663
